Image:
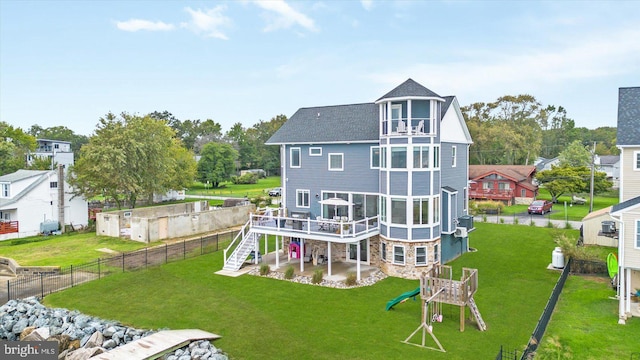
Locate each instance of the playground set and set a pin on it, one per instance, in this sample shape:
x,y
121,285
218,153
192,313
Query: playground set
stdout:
x,y
436,288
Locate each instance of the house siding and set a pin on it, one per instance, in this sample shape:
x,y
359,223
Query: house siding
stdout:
x,y
630,186
631,252
455,177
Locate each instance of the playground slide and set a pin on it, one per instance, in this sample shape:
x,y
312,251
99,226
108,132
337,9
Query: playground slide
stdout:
x,y
403,298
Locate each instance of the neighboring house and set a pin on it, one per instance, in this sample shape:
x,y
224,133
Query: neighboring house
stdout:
x,y
627,212
610,165
512,184
380,184
598,229
542,164
31,197
56,151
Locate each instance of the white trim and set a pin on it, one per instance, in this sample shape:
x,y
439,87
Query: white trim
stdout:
x,y
426,256
403,98
436,157
329,156
371,141
311,153
303,191
291,157
636,158
404,255
5,190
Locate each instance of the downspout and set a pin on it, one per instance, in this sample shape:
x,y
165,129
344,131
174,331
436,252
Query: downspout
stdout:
x,y
621,272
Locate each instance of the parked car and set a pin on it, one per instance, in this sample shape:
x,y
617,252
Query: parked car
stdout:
x,y
540,207
275,192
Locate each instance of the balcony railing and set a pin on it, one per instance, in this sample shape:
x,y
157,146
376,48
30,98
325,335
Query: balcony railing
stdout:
x,y
320,228
7,227
404,126
491,194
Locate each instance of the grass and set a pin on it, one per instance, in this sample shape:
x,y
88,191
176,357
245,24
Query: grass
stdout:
x,y
270,319
65,249
585,323
240,190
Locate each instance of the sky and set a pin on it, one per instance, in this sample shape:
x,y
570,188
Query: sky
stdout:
x,y
71,62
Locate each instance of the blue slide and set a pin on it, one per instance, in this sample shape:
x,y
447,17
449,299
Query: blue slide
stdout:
x,y
403,298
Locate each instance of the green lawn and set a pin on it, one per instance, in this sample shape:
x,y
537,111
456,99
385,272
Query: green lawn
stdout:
x,y
232,190
270,319
64,250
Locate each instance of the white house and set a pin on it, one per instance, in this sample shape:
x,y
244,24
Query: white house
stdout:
x,y
57,151
31,197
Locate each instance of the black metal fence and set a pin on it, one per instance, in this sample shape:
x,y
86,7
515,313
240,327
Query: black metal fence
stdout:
x,y
69,276
505,354
541,327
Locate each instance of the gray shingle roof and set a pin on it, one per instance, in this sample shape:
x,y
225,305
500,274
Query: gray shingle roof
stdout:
x,y
626,204
609,159
340,123
21,175
447,102
629,116
409,88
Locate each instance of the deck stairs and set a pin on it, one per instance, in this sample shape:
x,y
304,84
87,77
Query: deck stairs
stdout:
x,y
241,252
476,314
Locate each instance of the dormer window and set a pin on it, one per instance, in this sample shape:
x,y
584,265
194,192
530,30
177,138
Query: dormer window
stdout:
x,y
4,190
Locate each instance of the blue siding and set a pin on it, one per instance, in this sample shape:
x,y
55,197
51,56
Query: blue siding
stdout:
x,y
398,183
314,174
421,234
445,221
398,233
457,177
452,247
383,181
398,140
421,183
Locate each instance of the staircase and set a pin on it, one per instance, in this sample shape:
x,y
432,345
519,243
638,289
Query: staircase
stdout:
x,y
476,314
241,252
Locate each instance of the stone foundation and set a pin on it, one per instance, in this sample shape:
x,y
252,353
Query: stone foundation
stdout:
x,y
409,270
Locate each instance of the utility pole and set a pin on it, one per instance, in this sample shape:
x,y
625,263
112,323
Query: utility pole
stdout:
x,y
593,165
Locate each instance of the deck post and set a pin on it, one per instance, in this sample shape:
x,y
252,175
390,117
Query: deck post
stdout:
x,y
277,253
462,318
329,258
301,255
358,260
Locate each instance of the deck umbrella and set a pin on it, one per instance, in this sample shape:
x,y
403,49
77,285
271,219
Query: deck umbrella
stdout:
x,y
335,202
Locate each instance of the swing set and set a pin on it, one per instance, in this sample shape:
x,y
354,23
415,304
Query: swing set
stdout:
x,y
437,288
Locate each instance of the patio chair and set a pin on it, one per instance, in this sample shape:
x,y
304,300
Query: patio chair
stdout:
x,y
322,224
402,127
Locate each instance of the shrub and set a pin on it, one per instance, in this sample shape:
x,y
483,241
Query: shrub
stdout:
x,y
550,225
248,178
516,221
484,218
351,279
488,207
288,274
501,220
317,276
264,269
532,223
568,226
570,250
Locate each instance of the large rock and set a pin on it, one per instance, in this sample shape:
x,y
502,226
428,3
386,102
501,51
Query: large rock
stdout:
x,y
84,353
63,341
95,340
20,326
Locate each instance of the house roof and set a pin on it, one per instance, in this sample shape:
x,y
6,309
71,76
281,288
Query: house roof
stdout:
x,y
515,172
597,213
445,106
609,159
625,205
340,123
22,175
544,162
628,116
409,88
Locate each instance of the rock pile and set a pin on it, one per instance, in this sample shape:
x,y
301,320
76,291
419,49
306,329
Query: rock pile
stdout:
x,y
81,336
373,278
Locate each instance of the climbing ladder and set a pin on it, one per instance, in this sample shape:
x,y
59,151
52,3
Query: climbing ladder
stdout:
x,y
476,314
241,252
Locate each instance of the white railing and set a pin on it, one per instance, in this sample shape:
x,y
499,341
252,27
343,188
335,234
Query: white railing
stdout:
x,y
325,227
243,232
404,126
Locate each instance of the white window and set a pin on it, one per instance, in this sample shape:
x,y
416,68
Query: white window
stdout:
x,y
383,209
336,162
436,253
523,193
421,211
636,160
53,184
421,255
302,198
398,157
420,157
398,254
295,157
399,211
375,157
56,146
436,209
5,190
383,157
453,156
383,251
637,233
504,186
315,151
436,157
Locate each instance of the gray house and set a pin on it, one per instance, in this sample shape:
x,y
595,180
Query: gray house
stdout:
x,y
381,184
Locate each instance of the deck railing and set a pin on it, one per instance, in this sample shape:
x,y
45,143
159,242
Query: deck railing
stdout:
x,y
7,227
324,227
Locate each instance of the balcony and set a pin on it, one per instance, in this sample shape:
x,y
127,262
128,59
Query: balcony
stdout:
x,y
405,126
347,231
7,227
491,194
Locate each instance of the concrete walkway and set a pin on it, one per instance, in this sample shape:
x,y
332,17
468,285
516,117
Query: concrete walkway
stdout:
x,y
156,345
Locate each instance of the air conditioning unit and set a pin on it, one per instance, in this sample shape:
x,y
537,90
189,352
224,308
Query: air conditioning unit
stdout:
x,y
608,227
460,232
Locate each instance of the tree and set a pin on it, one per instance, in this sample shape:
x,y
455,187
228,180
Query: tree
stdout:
x,y
15,145
217,163
562,180
193,133
575,155
129,158
557,130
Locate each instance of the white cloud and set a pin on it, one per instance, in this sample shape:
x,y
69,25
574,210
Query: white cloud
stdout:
x,y
139,24
367,4
208,22
283,16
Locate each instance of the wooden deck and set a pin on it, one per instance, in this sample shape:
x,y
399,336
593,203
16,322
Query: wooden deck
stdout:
x,y
156,345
